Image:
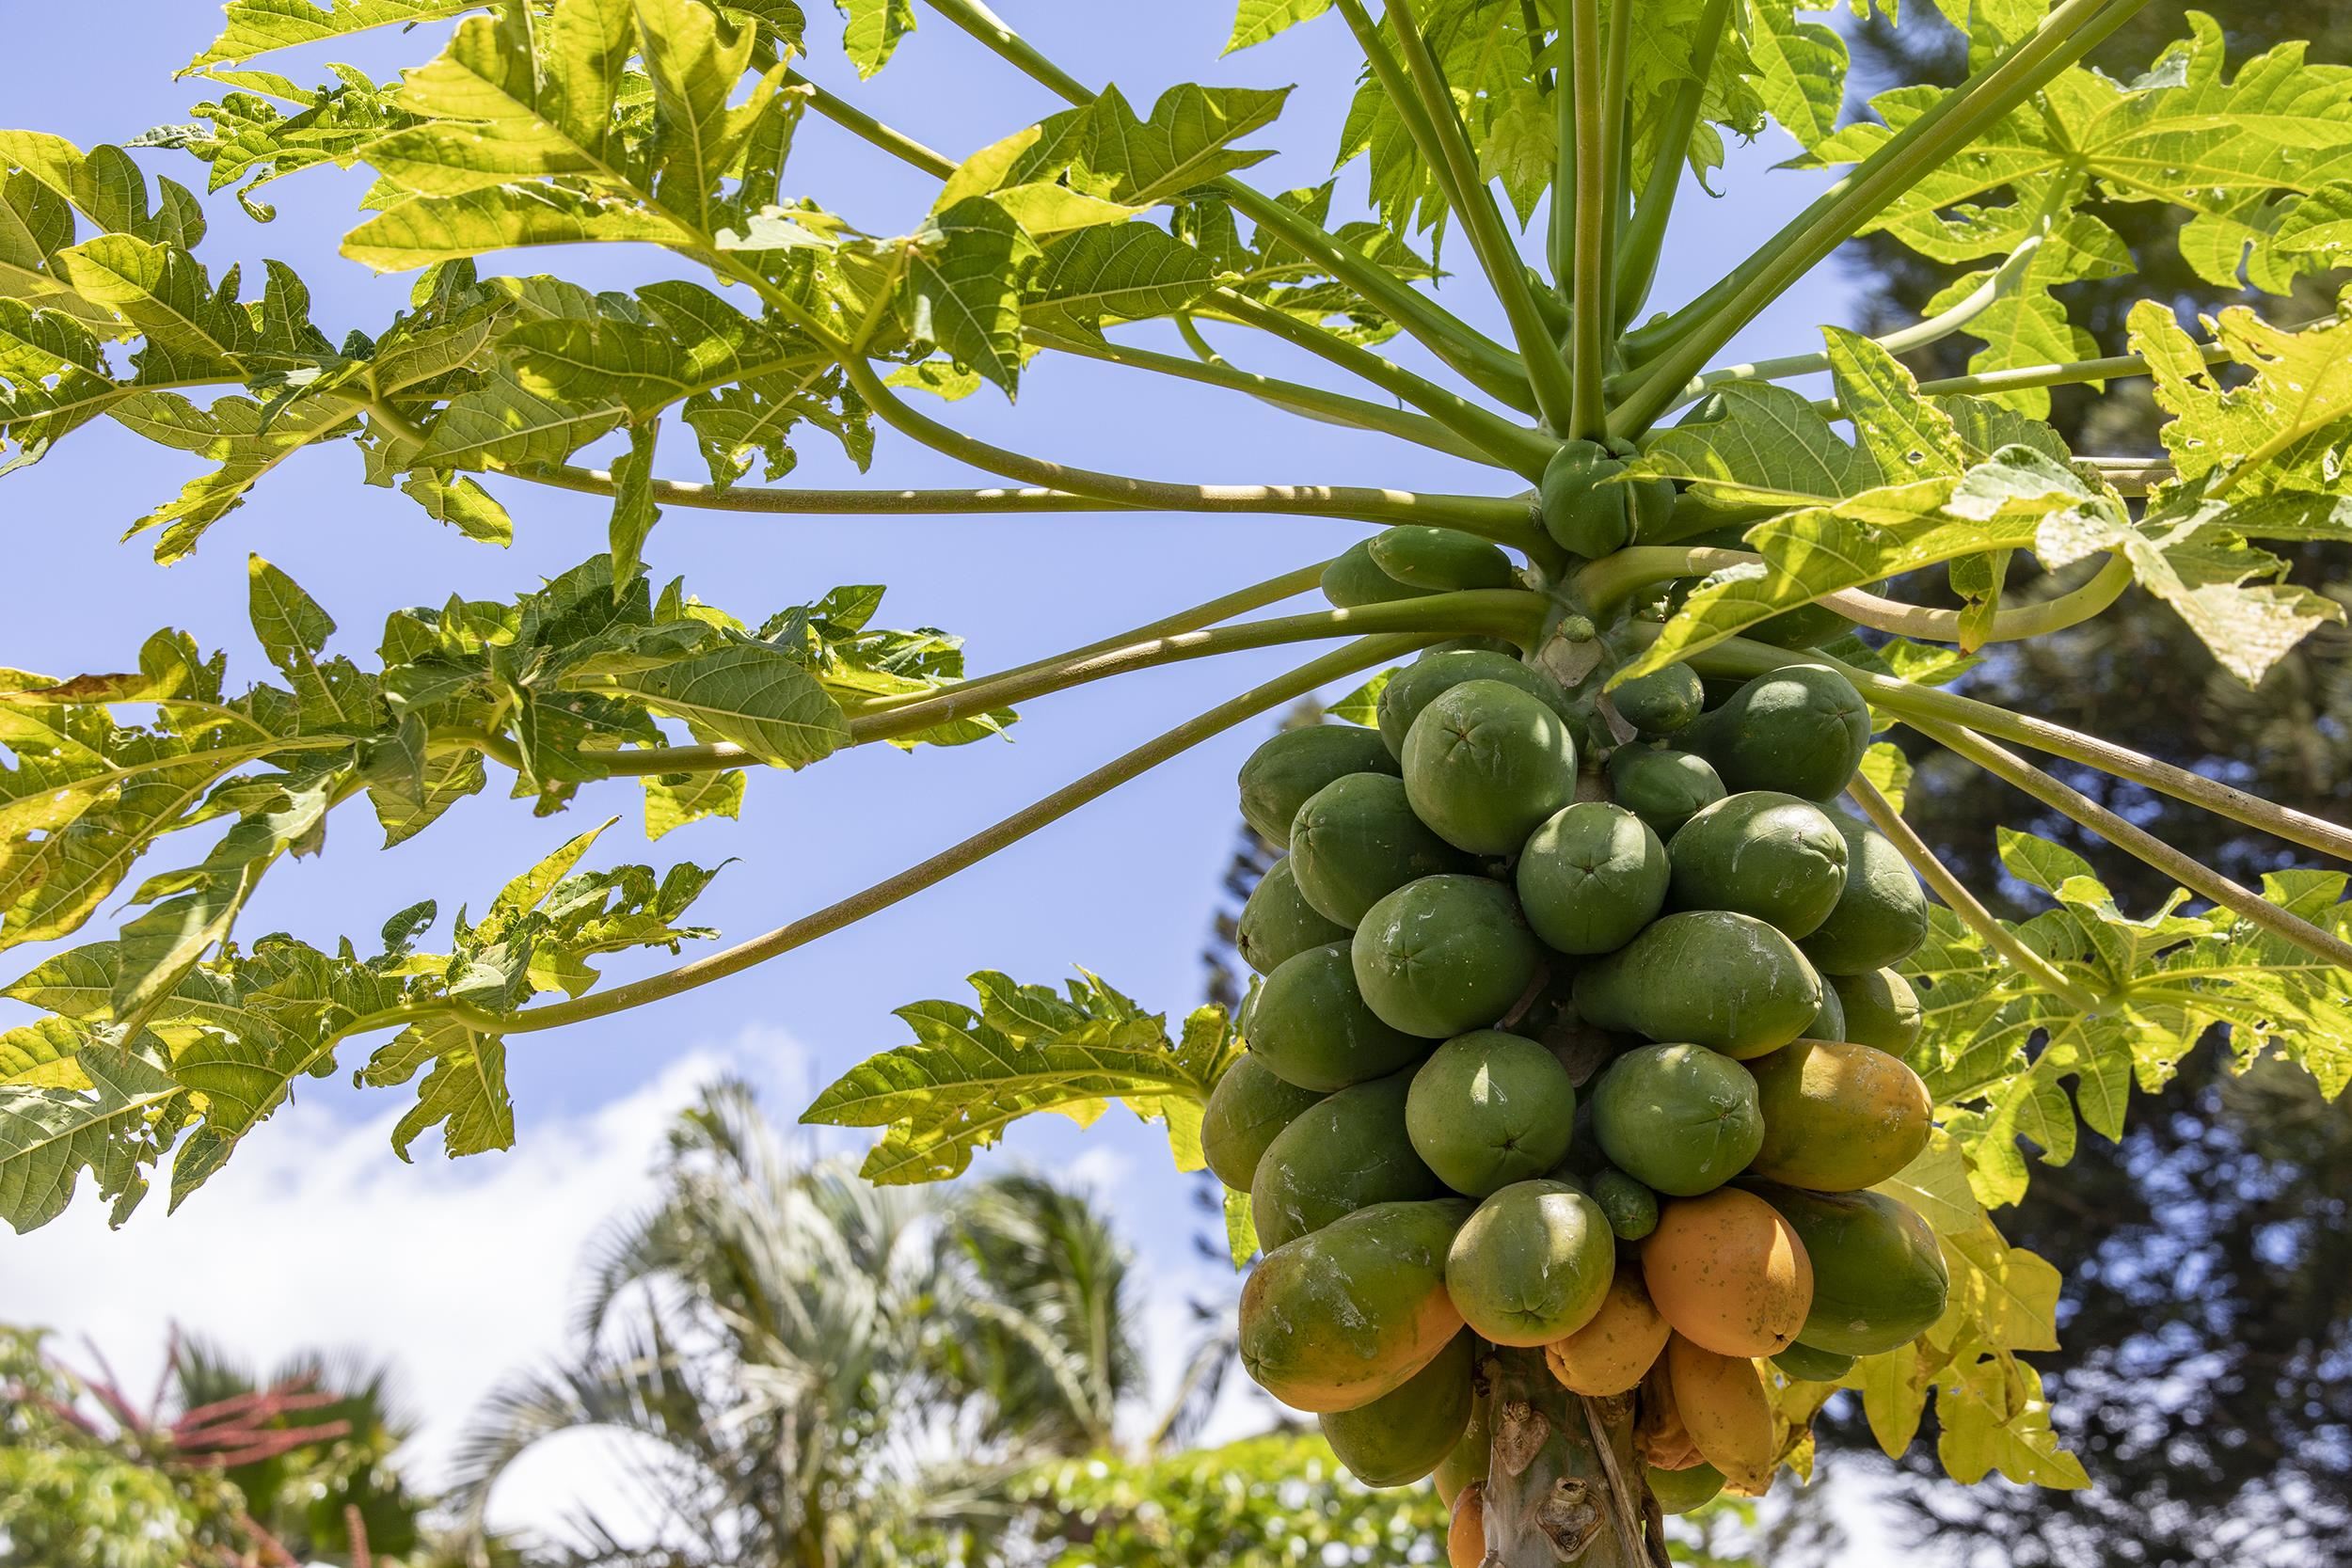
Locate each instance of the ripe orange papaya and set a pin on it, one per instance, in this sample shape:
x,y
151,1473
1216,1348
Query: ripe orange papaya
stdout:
x,y
1729,1273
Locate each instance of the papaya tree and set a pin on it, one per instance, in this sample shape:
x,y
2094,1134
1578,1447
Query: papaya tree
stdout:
x,y
1612,1095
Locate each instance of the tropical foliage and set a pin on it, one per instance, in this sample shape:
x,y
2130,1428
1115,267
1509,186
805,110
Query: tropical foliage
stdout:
x,y
671,123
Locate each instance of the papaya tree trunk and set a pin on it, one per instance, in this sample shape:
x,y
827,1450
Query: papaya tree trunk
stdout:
x,y
1563,1485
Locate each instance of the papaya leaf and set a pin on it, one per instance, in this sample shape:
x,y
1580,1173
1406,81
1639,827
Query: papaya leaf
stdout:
x,y
49,1137
255,27
1026,1050
1260,20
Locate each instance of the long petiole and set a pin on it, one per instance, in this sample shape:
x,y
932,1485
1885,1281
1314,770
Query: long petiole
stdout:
x,y
1588,266
1336,665
2137,842
1955,896
1907,701
1523,450
1497,611
1645,238
1954,121
1493,517
1446,143
867,129
1312,402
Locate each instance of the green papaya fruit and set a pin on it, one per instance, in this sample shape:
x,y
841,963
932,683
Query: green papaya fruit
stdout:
x,y
1356,840
1345,1152
1881,1008
1246,1109
1484,764
1438,670
1472,1457
1838,1117
1678,1118
1712,977
1312,1028
1354,579
1763,854
1878,1279
1804,1363
1582,513
1632,1206
1880,917
1444,954
1681,1491
1531,1264
1340,1317
1442,559
1664,789
1830,1023
1663,702
1489,1108
1408,1433
1801,729
1591,878
1291,766
1278,921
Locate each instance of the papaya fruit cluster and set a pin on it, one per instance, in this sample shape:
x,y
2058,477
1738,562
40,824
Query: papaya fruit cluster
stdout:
x,y
1601,1061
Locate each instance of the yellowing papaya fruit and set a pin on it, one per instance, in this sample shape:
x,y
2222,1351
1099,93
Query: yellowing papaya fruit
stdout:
x,y
1613,1351
1660,1438
1838,1117
1466,1528
1722,1405
1336,1318
1729,1273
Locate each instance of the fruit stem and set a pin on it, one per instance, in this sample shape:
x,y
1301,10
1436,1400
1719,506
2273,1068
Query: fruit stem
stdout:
x,y
1556,1483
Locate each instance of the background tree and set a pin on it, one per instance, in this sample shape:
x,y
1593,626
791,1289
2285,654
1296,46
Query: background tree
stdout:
x,y
216,1467
2212,1228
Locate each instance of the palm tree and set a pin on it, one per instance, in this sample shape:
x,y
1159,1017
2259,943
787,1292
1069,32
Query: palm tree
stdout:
x,y
802,1369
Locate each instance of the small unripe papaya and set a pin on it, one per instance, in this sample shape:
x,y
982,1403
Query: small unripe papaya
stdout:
x,y
1582,513
1441,560
1444,954
1489,1108
1664,789
1407,1433
1762,853
1666,700
1881,1008
1248,1106
1591,877
1355,579
1808,1365
1484,764
1356,840
1801,729
1311,1025
1632,1206
1278,921
1881,916
1680,1491
1289,768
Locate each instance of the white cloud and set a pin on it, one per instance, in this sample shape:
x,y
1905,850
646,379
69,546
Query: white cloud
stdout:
x,y
316,1236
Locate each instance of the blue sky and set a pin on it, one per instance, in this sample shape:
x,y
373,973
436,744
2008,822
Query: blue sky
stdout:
x,y
1125,888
